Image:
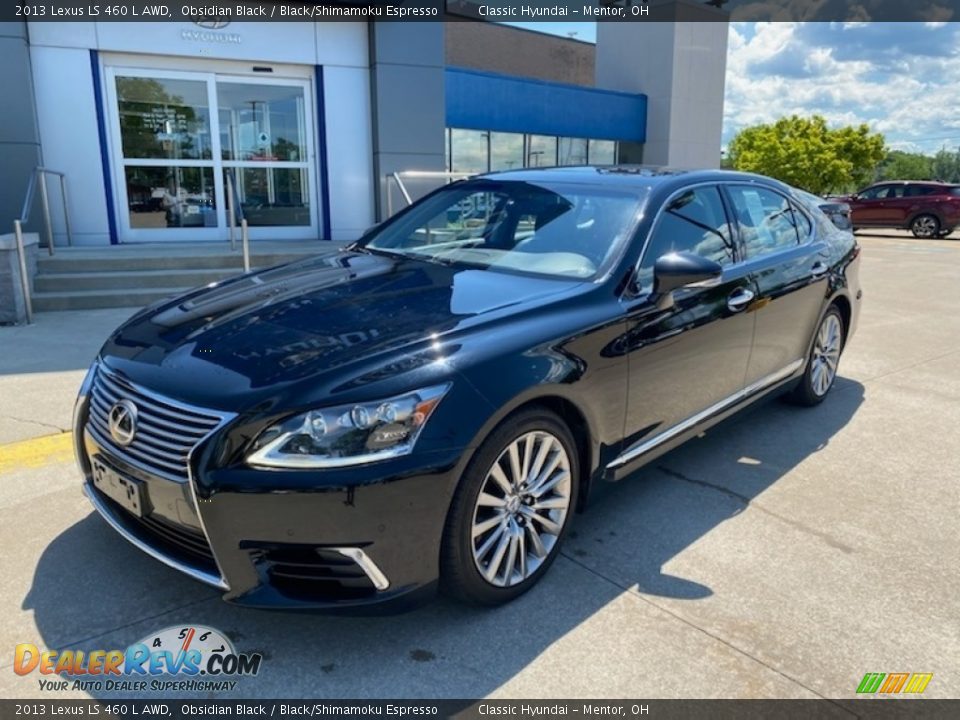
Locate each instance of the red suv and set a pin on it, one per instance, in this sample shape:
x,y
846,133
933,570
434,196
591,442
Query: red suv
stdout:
x,y
927,209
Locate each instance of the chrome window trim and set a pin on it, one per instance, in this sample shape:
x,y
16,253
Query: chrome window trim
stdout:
x,y
646,446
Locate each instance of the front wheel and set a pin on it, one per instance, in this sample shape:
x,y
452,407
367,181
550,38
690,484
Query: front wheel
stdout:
x,y
925,226
824,358
511,510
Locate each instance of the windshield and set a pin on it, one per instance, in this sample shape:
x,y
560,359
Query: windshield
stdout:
x,y
557,230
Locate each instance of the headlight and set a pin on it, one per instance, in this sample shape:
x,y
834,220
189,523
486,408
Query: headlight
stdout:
x,y
348,434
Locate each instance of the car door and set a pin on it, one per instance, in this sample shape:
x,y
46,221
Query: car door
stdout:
x,y
686,356
869,206
788,268
896,206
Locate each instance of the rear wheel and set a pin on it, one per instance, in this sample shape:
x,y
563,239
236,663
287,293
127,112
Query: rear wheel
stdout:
x,y
925,226
824,358
511,510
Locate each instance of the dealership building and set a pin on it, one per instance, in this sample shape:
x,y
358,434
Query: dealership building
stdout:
x,y
155,123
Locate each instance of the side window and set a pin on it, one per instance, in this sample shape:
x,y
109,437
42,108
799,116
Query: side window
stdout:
x,y
695,222
921,190
767,221
895,191
873,193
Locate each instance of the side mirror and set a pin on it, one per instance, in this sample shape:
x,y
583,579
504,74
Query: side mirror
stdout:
x,y
683,269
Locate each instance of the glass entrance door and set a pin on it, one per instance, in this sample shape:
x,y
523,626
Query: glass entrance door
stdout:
x,y
263,143
177,137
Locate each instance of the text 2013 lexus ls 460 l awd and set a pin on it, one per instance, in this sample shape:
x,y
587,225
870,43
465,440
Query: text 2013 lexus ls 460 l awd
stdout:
x,y
430,406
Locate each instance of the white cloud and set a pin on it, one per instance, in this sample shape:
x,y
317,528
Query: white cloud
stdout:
x,y
900,80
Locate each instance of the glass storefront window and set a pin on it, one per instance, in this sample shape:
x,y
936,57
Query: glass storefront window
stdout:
x,y
170,197
181,134
541,151
603,152
468,151
506,151
273,196
261,122
164,118
573,151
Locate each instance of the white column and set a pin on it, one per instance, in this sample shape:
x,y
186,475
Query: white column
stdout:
x,y
680,66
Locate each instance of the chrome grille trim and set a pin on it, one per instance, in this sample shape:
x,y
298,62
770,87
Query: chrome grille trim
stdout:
x,y
122,527
167,430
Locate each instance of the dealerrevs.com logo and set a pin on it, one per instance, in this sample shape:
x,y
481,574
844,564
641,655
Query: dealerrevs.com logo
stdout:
x,y
187,658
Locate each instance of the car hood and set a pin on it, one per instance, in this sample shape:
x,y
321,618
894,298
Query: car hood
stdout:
x,y
327,320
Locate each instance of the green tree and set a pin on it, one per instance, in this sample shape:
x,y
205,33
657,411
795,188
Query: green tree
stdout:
x,y
945,166
900,165
808,154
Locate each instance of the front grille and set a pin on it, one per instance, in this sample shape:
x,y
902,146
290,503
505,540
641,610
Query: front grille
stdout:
x,y
310,573
166,430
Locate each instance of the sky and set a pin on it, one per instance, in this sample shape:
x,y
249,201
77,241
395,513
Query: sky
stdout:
x,y
903,79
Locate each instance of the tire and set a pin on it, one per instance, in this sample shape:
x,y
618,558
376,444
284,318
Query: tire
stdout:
x,y
825,350
925,226
466,560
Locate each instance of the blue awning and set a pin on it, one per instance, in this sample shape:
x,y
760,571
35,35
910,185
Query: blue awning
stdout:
x,y
486,101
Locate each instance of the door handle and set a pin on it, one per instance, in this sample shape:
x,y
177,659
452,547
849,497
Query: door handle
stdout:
x,y
819,268
739,299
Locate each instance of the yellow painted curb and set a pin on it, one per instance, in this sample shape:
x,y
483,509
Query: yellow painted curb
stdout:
x,y
36,452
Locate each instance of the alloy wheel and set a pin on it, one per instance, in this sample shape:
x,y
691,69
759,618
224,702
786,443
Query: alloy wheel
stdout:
x,y
926,226
826,355
521,509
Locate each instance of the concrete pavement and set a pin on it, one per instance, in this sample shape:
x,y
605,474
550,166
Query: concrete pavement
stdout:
x,y
784,554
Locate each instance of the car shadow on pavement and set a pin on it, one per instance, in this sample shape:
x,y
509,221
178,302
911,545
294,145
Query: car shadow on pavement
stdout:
x,y
93,591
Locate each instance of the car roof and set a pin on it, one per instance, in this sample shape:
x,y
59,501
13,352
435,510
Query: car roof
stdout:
x,y
935,183
626,175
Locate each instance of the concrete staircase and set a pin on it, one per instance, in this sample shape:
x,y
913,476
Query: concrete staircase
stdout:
x,y
78,278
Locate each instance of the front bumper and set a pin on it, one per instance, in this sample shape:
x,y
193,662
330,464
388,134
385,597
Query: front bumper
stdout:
x,y
346,539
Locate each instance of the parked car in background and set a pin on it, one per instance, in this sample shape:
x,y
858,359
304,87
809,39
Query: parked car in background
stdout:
x,y
927,209
430,405
837,210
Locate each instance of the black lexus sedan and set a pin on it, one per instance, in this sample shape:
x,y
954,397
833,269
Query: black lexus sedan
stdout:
x,y
430,406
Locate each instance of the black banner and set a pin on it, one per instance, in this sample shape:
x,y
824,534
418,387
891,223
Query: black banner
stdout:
x,y
217,13
868,709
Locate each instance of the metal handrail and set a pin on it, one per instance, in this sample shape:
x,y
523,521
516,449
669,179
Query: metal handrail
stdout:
x,y
38,172
397,177
235,209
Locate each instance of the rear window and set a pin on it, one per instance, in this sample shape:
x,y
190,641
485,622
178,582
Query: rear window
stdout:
x,y
921,190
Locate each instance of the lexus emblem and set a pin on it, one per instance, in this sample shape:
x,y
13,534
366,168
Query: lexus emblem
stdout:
x,y
123,422
212,24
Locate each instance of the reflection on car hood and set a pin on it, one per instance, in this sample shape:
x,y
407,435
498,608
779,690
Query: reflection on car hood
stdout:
x,y
309,318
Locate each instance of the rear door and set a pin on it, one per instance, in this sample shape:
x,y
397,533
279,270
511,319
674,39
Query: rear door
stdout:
x,y
899,205
787,265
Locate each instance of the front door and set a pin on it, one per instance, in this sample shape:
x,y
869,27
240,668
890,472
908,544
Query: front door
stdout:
x,y
692,356
183,140
870,207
